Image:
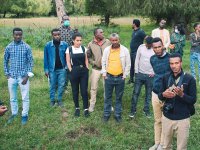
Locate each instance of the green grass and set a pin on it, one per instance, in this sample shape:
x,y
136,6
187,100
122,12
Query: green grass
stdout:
x,y
48,128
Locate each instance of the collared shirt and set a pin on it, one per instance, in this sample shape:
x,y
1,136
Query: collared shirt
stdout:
x,y
18,59
66,34
142,60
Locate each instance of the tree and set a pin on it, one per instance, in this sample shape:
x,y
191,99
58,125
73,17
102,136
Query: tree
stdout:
x,y
108,8
60,9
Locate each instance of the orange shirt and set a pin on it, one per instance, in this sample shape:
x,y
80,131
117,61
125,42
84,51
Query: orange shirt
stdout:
x,y
114,62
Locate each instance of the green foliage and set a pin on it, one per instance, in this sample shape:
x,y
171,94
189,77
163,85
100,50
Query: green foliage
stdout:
x,y
75,6
47,128
26,7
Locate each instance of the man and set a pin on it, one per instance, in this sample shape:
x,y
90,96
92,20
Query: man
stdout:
x,y
18,64
162,33
138,37
55,65
160,64
66,35
94,53
115,68
143,76
195,50
178,90
66,31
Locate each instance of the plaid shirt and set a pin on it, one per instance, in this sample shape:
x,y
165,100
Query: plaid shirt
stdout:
x,y
18,59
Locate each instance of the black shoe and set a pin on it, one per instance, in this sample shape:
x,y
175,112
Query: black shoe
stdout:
x,y
132,115
52,103
147,114
77,112
106,118
118,119
86,113
130,82
60,104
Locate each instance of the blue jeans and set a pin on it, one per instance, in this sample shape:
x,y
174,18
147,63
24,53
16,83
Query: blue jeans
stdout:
x,y
111,83
12,87
194,57
57,79
142,79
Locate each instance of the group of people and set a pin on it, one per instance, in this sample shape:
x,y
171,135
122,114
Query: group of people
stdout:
x,y
172,91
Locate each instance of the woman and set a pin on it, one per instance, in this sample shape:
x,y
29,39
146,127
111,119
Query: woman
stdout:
x,y
177,40
77,63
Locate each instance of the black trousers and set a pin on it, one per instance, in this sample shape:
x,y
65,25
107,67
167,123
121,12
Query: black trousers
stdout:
x,y
132,70
79,77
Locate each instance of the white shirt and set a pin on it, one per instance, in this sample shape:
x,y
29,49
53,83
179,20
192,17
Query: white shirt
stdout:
x,y
142,60
76,50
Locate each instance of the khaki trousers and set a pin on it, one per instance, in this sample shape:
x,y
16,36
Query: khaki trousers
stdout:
x,y
157,110
178,127
94,78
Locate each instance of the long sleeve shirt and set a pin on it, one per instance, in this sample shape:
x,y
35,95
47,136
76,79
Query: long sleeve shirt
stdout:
x,y
160,67
163,35
180,105
142,60
195,43
18,59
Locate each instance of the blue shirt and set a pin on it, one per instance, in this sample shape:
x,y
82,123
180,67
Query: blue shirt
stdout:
x,y
50,56
137,39
18,59
160,67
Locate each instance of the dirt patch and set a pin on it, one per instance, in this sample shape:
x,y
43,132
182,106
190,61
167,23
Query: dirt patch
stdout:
x,y
88,131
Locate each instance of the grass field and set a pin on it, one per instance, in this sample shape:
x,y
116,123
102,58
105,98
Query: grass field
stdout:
x,y
50,128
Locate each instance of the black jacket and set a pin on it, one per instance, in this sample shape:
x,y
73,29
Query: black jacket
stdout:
x,y
181,106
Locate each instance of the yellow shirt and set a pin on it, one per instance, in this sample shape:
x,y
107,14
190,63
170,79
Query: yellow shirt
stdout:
x,y
114,62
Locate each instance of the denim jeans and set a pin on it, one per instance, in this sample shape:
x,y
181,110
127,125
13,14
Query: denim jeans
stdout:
x,y
133,56
57,79
194,57
142,79
111,83
12,87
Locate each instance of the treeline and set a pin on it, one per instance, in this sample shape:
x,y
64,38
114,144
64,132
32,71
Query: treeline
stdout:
x,y
186,11
31,8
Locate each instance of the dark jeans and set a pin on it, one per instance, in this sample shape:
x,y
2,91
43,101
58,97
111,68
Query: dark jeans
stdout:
x,y
142,79
132,72
79,77
111,83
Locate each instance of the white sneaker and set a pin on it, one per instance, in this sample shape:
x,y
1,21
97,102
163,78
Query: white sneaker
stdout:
x,y
159,147
112,109
154,147
91,108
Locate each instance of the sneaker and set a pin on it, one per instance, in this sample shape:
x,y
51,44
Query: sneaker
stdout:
x,y
106,118
159,147
52,103
118,119
24,120
60,104
147,114
132,115
112,109
91,108
77,112
11,119
86,113
154,147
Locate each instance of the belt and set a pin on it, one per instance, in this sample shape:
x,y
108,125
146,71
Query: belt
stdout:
x,y
81,66
115,76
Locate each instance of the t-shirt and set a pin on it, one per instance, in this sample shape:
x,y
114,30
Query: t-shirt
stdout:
x,y
76,50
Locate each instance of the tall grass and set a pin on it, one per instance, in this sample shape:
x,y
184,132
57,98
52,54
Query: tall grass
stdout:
x,y
51,128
